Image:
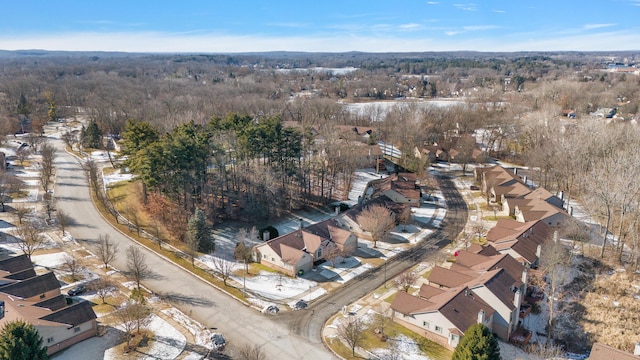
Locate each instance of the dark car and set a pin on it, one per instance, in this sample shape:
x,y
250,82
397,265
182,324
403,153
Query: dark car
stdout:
x,y
473,187
301,304
77,290
218,342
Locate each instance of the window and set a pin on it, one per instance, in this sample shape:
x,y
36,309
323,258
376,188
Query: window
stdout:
x,y
454,337
438,329
76,329
425,324
50,340
319,253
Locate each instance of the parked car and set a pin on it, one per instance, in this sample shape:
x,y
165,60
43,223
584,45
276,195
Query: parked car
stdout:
x,y
301,304
218,341
473,187
77,290
271,309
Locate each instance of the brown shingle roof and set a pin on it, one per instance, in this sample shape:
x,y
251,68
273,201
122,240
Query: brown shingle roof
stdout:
x,y
448,278
73,315
409,304
33,286
16,264
54,303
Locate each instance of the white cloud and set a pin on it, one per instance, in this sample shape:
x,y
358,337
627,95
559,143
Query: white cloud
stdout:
x,y
466,7
596,26
499,11
289,25
452,33
410,26
433,2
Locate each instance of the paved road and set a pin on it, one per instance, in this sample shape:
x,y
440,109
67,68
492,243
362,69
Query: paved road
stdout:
x,y
197,298
309,323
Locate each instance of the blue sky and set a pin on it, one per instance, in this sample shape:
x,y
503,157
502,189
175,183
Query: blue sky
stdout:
x,y
214,26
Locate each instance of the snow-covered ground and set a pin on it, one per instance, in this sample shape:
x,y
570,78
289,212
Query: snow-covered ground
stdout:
x,y
115,177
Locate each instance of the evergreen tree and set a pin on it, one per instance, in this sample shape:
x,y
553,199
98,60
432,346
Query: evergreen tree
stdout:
x,y
478,343
200,232
21,341
91,136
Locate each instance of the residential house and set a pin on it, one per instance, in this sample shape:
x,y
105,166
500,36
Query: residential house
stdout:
x,y
36,299
402,188
523,241
348,220
496,283
299,251
441,315
519,200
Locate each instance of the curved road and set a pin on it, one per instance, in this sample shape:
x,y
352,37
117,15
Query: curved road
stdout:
x,y
294,335
193,296
309,323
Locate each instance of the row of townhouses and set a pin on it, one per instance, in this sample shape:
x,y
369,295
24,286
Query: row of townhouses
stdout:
x,y
34,297
487,284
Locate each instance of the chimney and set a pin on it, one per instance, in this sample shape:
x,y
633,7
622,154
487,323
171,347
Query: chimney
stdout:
x,y
517,299
525,179
636,350
538,251
337,209
515,171
525,275
301,223
265,236
561,195
481,317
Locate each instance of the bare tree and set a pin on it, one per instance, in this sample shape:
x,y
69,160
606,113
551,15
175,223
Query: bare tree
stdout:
x,y
378,221
49,207
555,260
30,237
9,184
131,316
103,287
72,265
404,217
137,264
21,212
249,352
192,247
331,253
406,280
63,220
48,153
23,154
69,139
107,250
381,319
223,268
352,333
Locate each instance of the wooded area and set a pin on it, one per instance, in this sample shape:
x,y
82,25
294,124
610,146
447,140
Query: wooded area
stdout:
x,y
253,136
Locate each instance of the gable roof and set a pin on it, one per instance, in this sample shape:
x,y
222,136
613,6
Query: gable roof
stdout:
x,y
329,230
73,315
448,278
54,303
459,305
31,287
16,264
